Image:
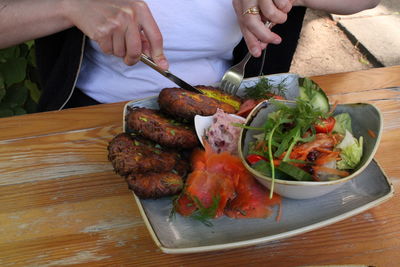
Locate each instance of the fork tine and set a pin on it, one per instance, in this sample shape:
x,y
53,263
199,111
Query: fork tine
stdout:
x,y
227,87
233,77
231,88
223,85
235,90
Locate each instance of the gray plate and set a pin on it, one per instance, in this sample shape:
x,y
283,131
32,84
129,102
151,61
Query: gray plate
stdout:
x,y
184,235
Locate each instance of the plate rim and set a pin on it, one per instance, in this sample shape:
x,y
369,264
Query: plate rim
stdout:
x,y
262,240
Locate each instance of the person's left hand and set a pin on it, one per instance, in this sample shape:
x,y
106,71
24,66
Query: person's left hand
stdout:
x,y
255,33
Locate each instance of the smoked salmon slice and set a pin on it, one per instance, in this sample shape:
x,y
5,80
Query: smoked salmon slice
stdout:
x,y
220,184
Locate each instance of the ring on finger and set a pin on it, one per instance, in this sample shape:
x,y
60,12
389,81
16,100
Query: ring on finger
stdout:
x,y
254,10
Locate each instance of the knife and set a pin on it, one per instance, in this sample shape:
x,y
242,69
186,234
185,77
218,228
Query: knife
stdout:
x,y
181,83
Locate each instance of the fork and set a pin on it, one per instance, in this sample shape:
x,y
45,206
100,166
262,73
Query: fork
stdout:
x,y
233,77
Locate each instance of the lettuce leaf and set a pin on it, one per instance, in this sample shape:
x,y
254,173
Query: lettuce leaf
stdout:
x,y
343,123
352,150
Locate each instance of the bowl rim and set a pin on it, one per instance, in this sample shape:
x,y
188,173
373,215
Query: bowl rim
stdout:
x,y
258,175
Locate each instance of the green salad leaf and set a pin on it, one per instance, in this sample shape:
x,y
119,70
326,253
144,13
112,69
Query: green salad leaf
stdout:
x,y
343,123
351,152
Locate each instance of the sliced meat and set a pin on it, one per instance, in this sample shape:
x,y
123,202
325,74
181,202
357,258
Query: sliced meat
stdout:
x,y
155,126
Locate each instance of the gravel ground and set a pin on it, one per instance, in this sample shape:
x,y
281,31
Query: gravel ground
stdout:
x,y
323,48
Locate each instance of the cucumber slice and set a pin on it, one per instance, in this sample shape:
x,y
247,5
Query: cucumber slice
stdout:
x,y
311,92
294,172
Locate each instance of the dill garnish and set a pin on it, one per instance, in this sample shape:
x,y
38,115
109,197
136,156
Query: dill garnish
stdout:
x,y
204,214
264,89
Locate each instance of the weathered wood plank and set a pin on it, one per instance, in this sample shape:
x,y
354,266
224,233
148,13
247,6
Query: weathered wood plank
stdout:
x,y
61,203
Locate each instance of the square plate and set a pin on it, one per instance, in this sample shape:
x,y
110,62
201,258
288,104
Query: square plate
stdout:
x,y
184,235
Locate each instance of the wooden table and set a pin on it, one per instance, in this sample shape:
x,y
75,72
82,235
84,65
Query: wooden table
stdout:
x,y
61,203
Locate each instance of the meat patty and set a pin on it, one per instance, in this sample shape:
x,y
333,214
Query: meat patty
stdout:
x,y
131,154
155,126
220,95
155,185
185,104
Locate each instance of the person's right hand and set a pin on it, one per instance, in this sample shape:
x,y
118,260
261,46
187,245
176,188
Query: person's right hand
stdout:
x,y
124,28
256,35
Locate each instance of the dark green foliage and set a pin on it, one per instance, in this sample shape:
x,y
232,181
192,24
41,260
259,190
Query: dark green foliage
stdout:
x,y
19,91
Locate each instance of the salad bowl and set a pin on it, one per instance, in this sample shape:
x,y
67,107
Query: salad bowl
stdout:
x,y
366,121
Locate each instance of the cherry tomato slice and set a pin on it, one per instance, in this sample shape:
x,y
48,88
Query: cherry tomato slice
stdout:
x,y
274,96
254,158
246,107
325,125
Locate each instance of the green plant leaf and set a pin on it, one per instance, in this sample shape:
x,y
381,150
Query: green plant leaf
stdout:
x,y
16,96
19,83
30,105
6,112
32,57
30,43
23,50
2,87
10,52
34,91
14,71
19,111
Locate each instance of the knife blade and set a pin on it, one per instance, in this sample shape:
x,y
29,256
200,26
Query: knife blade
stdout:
x,y
181,83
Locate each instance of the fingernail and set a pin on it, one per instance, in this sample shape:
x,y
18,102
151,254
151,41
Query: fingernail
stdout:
x,y
255,51
277,41
163,64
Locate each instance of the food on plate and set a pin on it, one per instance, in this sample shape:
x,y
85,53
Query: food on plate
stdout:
x,y
262,90
132,154
303,142
150,170
218,94
247,106
312,93
165,131
223,134
180,103
220,184
155,184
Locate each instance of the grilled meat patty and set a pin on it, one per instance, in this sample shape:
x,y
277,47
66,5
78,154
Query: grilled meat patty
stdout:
x,y
216,93
155,126
132,154
185,104
155,184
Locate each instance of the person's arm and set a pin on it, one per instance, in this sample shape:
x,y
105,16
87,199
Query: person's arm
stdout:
x,y
342,7
23,20
124,28
257,36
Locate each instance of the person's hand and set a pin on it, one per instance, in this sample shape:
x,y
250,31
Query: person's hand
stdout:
x,y
124,28
252,25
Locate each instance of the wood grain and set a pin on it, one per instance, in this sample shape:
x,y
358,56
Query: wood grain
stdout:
x,y
61,203
364,80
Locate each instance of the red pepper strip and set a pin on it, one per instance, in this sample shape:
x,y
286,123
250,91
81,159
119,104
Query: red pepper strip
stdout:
x,y
254,158
331,171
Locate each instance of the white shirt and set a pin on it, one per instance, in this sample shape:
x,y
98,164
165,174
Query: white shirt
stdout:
x,y
199,37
